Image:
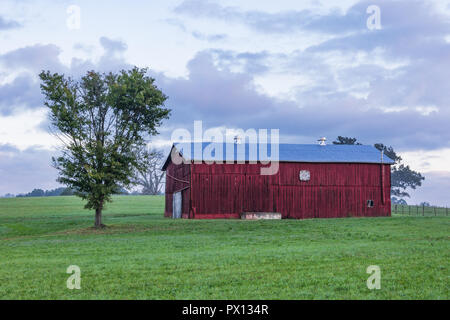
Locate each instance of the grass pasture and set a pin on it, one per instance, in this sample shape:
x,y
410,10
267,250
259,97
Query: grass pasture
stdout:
x,y
142,255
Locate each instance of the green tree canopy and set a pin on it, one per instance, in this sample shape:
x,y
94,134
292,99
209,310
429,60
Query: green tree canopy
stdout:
x,y
346,140
102,120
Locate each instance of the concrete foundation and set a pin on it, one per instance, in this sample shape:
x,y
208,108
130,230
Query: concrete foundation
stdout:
x,y
260,215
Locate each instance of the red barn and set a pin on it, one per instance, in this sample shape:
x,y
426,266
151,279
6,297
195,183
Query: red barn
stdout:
x,y
312,181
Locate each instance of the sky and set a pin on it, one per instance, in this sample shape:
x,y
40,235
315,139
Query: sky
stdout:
x,y
308,68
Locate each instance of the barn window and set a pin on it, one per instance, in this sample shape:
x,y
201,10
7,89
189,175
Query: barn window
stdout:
x,y
369,203
304,175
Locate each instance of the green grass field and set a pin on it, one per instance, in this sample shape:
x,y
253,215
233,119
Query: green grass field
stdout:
x,y
145,256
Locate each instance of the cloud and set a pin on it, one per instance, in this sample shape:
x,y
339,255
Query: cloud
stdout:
x,y
280,22
385,85
83,47
399,18
223,97
113,46
209,37
112,60
196,34
8,24
40,57
25,170
177,23
413,37
253,63
23,91
34,58
210,93
410,29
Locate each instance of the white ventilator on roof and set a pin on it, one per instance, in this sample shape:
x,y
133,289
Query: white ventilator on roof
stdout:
x,y
322,141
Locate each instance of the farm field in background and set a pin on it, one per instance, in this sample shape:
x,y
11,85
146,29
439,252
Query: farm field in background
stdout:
x,y
143,255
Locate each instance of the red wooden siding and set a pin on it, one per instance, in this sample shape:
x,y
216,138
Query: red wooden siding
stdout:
x,y
334,190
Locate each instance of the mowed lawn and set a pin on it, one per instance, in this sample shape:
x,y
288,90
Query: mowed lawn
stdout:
x,y
143,255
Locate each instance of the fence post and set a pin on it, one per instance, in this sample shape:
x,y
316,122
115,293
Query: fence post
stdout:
x,y
409,210
417,210
395,209
423,210
446,211
434,211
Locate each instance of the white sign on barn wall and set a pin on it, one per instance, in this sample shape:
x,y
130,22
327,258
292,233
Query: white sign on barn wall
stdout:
x,y
304,175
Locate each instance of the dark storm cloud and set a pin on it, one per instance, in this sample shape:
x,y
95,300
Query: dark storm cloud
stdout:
x,y
21,171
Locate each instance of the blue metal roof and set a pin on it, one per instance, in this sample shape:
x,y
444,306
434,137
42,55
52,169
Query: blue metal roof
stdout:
x,y
209,151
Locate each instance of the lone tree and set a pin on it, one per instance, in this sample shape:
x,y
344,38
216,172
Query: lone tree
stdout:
x,y
102,121
152,177
402,176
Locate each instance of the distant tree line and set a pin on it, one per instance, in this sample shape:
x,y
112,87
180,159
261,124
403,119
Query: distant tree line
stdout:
x,y
63,192
402,202
47,193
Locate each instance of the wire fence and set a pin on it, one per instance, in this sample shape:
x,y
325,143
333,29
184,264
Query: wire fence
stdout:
x,y
419,211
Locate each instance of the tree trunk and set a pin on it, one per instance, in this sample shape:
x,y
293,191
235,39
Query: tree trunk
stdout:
x,y
98,218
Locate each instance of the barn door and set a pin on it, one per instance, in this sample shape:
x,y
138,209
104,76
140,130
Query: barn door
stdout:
x,y
177,202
